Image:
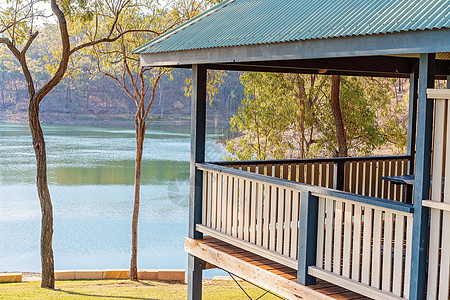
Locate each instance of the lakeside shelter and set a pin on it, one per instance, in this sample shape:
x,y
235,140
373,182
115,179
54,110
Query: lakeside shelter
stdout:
x,y
323,228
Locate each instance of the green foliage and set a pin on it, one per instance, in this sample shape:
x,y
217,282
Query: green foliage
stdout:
x,y
365,102
289,115
265,114
215,79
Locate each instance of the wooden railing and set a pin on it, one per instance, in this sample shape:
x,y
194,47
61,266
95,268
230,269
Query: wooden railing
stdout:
x,y
363,245
439,250
263,214
439,205
245,208
358,175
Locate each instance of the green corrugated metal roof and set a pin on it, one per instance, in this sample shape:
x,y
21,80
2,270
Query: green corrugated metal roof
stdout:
x,y
252,22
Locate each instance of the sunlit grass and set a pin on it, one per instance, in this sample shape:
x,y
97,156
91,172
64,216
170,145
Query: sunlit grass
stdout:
x,y
125,289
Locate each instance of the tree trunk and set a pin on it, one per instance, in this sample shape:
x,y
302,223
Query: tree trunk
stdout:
x,y
47,262
3,95
301,98
337,114
140,135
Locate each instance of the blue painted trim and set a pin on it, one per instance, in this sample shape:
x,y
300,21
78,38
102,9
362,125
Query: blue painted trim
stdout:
x,y
380,202
311,160
412,119
307,237
422,173
198,122
194,277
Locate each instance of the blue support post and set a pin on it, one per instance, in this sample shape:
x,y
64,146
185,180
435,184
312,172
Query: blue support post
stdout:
x,y
422,182
412,120
198,123
307,237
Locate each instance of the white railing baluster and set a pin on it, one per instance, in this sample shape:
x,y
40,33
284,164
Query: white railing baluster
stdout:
x,y
247,211
339,211
398,254
329,233
235,206
253,208
266,213
295,223
273,218
280,220
320,233
367,245
241,209
387,251
287,222
347,240
259,214
357,233
409,233
376,251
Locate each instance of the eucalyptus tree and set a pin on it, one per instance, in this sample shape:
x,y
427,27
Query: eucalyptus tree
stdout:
x,y
118,62
19,26
327,115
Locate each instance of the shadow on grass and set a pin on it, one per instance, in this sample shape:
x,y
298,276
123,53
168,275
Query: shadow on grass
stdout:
x,y
108,296
102,296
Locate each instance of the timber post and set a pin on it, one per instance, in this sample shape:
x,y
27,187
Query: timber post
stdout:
x,y
307,237
338,175
422,180
412,120
198,123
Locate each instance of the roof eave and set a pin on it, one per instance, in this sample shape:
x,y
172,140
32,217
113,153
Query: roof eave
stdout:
x,y
427,41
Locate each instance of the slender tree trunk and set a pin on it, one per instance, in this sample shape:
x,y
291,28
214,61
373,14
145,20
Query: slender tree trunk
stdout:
x,y
3,95
301,100
337,114
47,262
140,135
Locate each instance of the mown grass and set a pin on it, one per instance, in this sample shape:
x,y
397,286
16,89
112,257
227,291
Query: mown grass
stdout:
x,y
125,289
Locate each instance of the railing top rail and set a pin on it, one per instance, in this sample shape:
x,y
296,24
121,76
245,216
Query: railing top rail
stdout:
x,y
438,94
380,202
312,160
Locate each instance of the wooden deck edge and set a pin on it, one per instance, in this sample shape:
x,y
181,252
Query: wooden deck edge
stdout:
x,y
352,285
266,279
269,254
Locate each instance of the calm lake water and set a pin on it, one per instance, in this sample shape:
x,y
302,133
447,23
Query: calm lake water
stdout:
x,y
91,173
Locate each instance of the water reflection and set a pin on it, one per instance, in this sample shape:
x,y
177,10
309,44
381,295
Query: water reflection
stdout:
x,y
91,173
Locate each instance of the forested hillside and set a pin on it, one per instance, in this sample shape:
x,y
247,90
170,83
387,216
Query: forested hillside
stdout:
x,y
84,98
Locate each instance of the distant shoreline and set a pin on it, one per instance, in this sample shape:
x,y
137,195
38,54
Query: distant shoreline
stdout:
x,y
108,123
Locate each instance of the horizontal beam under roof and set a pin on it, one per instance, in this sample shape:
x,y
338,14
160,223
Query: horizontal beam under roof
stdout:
x,y
374,66
271,55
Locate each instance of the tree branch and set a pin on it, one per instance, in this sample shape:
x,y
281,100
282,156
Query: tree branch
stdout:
x,y
65,55
110,39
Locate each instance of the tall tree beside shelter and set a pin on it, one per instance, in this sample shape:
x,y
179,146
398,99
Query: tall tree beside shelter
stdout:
x,y
19,24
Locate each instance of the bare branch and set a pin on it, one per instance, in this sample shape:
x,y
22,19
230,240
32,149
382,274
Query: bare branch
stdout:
x,y
109,39
151,121
28,44
155,85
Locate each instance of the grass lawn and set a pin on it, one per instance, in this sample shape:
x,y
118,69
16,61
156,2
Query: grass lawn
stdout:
x,y
125,289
